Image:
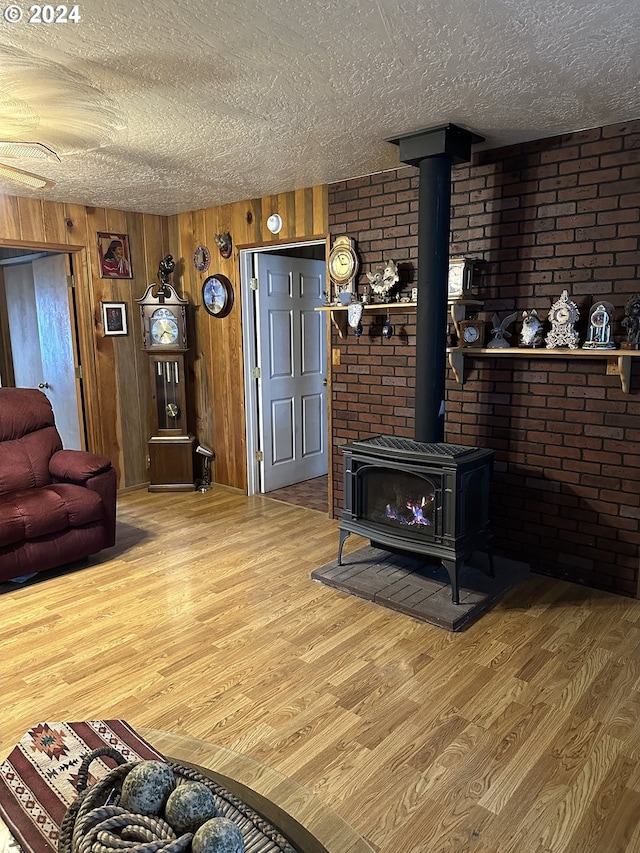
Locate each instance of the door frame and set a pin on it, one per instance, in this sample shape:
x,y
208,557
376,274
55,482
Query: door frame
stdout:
x,y
249,347
87,402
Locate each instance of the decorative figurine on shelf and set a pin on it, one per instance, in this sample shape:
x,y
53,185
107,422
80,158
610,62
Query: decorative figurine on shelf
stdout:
x,y
383,279
600,332
631,322
165,269
354,317
531,331
500,332
563,315
224,243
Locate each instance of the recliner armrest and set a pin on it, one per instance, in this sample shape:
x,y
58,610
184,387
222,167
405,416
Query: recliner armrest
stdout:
x,y
77,466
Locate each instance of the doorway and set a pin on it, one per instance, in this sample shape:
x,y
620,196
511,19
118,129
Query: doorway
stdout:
x,y
40,336
284,343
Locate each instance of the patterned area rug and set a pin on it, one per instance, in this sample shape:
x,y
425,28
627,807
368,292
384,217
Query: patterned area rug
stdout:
x,y
38,781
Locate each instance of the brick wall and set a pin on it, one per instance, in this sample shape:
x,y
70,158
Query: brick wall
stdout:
x,y
560,213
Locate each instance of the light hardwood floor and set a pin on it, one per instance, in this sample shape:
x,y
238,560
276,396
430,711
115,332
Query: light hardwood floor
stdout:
x,y
519,735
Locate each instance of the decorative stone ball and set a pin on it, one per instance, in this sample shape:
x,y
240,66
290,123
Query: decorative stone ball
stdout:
x,y
218,835
146,787
189,806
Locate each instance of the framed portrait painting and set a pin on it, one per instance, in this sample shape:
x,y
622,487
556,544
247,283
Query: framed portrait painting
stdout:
x,y
114,318
115,257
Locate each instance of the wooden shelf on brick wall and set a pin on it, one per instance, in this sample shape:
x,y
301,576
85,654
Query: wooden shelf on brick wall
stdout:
x,y
618,360
339,312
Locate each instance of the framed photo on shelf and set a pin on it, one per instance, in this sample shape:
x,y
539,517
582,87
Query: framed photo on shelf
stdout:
x,y
114,318
115,257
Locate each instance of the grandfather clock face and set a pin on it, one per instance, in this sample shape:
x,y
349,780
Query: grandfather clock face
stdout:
x,y
164,320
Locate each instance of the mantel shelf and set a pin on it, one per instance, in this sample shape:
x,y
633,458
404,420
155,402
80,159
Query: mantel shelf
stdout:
x,y
618,360
339,312
380,307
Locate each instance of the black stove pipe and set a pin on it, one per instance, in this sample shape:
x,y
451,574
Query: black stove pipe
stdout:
x,y
433,150
434,221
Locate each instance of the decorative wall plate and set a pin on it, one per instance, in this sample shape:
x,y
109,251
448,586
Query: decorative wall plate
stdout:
x,y
201,258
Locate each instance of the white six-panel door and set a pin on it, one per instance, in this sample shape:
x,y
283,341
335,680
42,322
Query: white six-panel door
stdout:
x,y
291,357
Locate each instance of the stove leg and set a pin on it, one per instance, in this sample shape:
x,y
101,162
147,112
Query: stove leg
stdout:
x,y
452,567
344,535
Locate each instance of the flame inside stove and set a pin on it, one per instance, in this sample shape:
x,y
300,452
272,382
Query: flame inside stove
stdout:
x,y
413,513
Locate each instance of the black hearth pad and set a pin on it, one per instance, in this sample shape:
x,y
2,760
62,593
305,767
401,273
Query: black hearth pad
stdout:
x,y
419,588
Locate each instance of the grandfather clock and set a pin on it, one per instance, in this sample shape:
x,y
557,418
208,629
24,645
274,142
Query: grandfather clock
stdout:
x,y
164,336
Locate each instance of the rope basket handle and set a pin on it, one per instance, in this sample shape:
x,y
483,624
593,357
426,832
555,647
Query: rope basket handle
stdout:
x,y
65,837
83,772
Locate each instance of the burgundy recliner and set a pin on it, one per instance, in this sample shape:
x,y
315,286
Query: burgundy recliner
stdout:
x,y
56,505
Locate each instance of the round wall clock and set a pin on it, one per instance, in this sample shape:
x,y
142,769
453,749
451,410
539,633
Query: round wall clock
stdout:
x,y
217,295
201,258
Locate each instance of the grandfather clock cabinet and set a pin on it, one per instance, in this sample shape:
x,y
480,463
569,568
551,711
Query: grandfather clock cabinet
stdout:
x,y
164,333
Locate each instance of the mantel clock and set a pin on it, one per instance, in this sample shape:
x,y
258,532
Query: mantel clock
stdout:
x,y
460,278
164,338
563,315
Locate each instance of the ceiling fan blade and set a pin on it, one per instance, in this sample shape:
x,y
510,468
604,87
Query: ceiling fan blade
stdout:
x,y
27,179
27,150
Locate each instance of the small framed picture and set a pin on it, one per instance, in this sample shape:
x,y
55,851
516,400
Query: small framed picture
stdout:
x,y
114,318
115,257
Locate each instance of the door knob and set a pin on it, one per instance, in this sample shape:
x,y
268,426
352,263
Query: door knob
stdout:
x,y
43,385
324,381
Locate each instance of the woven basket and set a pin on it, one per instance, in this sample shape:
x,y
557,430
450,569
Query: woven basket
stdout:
x,y
80,833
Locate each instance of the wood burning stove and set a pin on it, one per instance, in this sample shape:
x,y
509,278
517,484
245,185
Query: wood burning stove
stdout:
x,y
411,497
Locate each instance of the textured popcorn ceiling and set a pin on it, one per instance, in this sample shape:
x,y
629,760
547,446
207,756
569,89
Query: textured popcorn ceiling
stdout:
x,y
169,106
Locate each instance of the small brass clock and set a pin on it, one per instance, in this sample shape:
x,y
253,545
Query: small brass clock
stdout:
x,y
343,262
472,333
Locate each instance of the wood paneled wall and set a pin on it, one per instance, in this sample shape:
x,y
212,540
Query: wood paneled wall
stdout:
x,y
216,344
116,383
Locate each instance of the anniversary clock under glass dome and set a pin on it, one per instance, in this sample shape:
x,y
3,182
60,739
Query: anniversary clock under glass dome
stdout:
x,y
164,337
